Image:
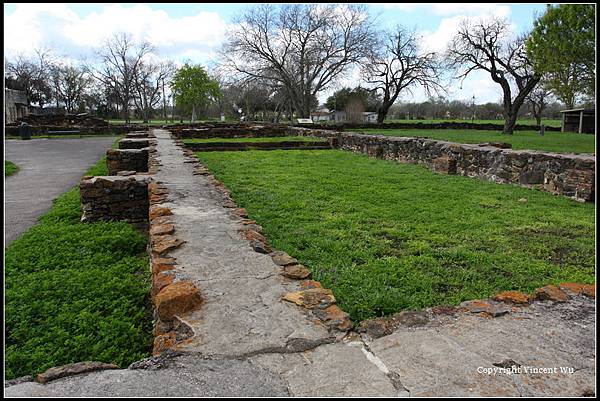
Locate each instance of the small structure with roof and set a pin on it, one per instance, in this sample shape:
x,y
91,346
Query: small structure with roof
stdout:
x,y
579,120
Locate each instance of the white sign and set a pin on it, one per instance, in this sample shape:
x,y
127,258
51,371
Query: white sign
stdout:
x,y
304,121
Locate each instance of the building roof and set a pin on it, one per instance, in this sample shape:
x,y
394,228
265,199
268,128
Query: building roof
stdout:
x,y
580,109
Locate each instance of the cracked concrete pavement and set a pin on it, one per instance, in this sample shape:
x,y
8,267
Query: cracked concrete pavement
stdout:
x,y
248,342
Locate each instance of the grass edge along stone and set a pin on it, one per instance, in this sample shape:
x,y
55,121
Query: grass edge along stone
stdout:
x,y
75,291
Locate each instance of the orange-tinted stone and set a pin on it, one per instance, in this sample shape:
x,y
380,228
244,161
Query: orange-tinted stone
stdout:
x,y
165,243
308,284
579,289
157,211
312,298
513,297
334,317
177,298
164,342
160,281
162,229
551,293
295,272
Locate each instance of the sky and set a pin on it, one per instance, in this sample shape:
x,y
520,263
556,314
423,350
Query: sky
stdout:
x,y
196,32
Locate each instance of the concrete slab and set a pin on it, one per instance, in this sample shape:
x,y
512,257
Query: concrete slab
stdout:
x,y
332,370
183,376
48,167
457,358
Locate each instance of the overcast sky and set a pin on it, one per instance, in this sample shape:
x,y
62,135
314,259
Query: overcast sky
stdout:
x,y
195,32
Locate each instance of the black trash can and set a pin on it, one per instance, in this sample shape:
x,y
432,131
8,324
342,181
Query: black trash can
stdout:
x,y
25,130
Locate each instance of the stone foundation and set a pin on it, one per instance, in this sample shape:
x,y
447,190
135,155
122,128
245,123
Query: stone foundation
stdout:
x,y
115,198
240,146
227,130
134,143
127,160
563,174
429,126
137,135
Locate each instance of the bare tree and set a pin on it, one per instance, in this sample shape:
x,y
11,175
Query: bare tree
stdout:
x,y
302,47
538,100
71,84
148,83
120,59
485,46
396,65
33,74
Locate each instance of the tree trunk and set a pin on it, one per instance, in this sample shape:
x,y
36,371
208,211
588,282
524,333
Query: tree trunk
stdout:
x,y
193,114
509,123
382,111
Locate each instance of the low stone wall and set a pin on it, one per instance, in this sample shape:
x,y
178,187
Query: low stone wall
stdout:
x,y
115,198
564,174
420,125
134,143
127,160
137,134
240,146
13,130
228,130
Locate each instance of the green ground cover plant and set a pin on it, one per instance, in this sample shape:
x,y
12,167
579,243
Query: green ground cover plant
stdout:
x,y
559,142
10,168
387,236
257,139
75,292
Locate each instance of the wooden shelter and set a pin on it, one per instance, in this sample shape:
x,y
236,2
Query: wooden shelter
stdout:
x,y
579,120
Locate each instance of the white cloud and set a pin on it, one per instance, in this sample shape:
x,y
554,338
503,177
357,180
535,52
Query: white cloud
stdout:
x,y
450,9
36,25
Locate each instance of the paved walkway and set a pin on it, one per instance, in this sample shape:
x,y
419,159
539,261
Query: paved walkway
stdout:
x,y
48,167
248,342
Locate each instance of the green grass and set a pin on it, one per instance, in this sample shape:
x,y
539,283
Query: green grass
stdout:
x,y
548,123
10,168
75,292
257,139
560,142
386,236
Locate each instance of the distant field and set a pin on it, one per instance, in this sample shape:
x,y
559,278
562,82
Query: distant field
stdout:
x,y
560,142
549,123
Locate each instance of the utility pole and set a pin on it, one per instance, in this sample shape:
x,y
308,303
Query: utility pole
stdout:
x,y
473,110
164,102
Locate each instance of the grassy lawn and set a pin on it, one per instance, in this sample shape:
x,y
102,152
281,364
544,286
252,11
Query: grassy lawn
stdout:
x,y
386,236
548,123
10,168
75,292
258,139
560,142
